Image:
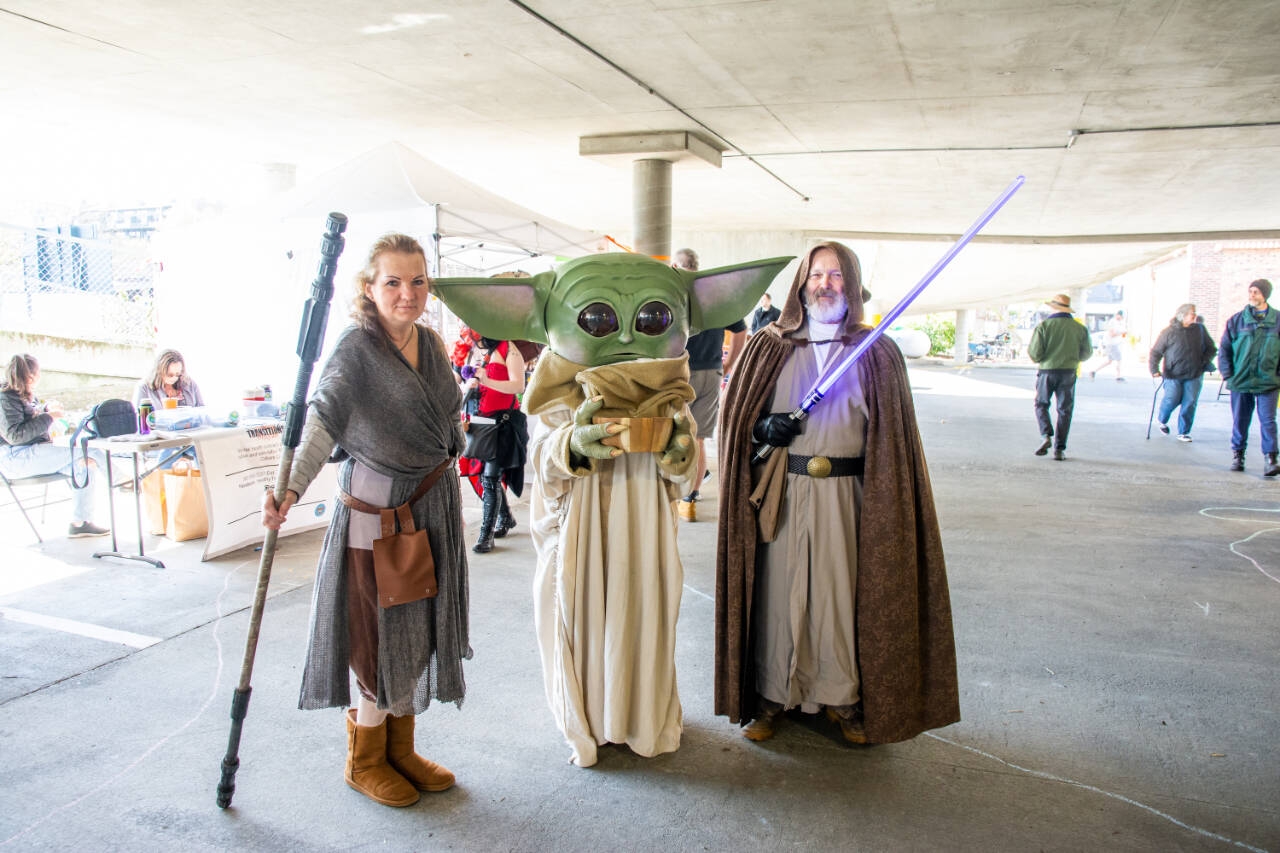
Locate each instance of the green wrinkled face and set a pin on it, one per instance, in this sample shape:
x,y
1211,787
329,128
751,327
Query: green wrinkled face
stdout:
x,y
606,309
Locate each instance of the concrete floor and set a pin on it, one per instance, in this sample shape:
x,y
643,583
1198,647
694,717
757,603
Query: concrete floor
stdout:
x,y
1116,625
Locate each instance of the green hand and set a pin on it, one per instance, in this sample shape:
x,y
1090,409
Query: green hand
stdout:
x,y
677,452
586,436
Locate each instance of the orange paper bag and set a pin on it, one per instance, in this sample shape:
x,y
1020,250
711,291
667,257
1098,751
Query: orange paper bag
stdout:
x,y
153,502
184,505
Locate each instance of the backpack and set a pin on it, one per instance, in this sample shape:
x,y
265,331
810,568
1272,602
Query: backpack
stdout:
x,y
109,418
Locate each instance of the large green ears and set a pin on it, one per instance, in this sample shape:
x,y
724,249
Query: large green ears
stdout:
x,y
505,309
722,296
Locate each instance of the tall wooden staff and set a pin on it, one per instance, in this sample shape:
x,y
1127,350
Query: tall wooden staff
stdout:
x,y
314,316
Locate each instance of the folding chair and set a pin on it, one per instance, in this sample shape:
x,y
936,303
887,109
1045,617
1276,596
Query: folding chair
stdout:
x,y
35,480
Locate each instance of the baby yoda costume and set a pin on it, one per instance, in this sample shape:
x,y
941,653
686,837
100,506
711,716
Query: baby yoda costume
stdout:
x,y
608,582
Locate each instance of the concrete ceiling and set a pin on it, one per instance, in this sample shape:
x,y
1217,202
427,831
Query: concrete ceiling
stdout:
x,y
1144,123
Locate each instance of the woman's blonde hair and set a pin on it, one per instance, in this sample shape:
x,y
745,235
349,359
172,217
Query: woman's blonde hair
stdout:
x,y
363,311
17,377
159,372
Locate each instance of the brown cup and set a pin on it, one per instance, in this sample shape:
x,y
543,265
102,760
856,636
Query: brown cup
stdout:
x,y
644,435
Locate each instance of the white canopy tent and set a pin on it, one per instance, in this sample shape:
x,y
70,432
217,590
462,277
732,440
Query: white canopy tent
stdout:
x,y
469,227
230,292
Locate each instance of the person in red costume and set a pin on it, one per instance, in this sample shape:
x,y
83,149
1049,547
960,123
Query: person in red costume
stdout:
x,y
498,436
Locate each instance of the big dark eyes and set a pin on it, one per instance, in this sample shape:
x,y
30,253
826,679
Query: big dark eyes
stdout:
x,y
653,318
598,319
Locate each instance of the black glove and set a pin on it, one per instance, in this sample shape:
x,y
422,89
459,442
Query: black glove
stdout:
x,y
777,429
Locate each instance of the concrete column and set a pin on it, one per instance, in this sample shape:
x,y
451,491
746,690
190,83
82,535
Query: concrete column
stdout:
x,y
1077,300
651,207
964,319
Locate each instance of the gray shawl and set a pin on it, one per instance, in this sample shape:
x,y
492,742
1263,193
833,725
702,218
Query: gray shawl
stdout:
x,y
401,423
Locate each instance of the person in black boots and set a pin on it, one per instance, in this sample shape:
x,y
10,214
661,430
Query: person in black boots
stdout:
x,y
498,436
1249,359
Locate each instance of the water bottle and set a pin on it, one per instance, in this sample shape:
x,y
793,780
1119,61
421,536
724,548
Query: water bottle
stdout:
x,y
144,412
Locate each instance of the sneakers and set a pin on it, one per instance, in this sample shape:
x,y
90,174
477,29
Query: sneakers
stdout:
x,y
1119,378
1059,455
688,509
1182,436
1164,428
1044,448
85,529
1093,374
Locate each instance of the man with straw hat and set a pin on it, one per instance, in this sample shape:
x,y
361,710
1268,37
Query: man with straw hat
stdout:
x,y
1058,345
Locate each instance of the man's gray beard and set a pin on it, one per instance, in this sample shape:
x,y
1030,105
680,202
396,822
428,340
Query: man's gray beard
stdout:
x,y
832,312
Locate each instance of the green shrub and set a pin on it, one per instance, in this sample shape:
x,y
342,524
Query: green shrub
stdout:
x,y
942,333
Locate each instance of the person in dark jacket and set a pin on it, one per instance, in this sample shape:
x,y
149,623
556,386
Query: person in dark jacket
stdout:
x,y
26,450
1187,352
1058,345
1249,359
764,315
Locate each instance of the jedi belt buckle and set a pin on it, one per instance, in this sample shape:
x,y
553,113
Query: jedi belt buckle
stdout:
x,y
818,466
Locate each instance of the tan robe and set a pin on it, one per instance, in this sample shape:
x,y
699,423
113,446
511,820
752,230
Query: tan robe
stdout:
x,y
609,579
805,609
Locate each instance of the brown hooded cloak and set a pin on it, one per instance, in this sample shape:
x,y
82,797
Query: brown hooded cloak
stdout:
x,y
904,642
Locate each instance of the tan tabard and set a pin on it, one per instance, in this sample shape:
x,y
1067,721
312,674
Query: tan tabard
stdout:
x,y
804,631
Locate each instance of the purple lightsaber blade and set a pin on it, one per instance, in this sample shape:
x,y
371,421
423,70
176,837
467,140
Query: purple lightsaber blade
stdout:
x,y
819,390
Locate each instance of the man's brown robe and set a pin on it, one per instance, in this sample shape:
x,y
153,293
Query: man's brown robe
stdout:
x,y
905,646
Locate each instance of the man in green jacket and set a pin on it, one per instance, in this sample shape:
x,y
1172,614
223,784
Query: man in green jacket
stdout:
x,y
1249,359
1058,345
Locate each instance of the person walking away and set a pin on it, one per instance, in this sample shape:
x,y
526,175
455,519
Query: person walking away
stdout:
x,y
388,398
1249,360
1058,345
1187,351
1116,331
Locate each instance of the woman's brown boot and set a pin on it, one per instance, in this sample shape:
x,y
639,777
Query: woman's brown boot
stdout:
x,y
367,768
422,774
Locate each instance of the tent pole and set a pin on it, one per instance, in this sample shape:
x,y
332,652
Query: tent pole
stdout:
x,y
437,317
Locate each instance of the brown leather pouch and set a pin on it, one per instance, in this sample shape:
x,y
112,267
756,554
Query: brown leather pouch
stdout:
x,y
402,562
403,565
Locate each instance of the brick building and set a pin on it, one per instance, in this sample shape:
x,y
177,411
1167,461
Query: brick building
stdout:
x,y
1219,274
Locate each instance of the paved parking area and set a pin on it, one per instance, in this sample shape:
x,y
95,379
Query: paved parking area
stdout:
x,y
1118,631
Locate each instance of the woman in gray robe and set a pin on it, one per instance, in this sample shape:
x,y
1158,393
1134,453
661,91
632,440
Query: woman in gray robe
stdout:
x,y
387,399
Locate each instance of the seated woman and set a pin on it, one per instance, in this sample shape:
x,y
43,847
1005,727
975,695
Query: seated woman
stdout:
x,y
26,449
168,381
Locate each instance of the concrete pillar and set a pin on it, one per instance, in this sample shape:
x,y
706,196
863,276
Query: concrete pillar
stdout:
x,y
651,207
964,320
1077,300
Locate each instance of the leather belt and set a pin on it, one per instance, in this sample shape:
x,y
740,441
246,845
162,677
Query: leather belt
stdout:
x,y
358,505
825,466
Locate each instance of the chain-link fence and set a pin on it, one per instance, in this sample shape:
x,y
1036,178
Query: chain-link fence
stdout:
x,y
65,286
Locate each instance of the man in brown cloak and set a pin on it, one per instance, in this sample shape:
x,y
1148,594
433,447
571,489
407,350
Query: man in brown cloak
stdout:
x,y
831,590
